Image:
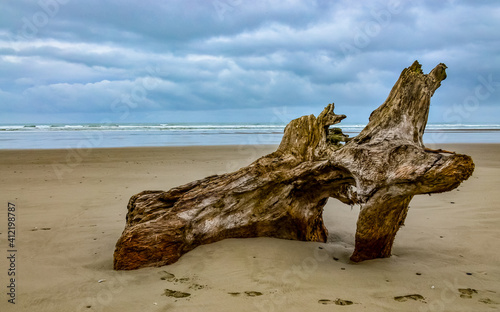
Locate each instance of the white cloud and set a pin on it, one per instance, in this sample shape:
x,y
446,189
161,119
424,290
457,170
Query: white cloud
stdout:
x,y
258,55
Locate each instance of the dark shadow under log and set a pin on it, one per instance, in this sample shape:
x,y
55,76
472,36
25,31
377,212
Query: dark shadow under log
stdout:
x,y
282,194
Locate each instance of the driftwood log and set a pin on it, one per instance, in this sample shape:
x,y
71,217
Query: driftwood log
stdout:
x,y
282,194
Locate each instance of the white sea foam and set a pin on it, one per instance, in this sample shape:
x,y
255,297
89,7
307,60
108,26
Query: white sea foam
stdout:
x,y
17,136
211,127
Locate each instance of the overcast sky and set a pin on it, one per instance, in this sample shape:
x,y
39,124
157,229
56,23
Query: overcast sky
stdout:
x,y
234,61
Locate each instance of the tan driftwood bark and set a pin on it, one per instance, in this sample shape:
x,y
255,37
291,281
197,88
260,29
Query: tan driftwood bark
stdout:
x,y
283,194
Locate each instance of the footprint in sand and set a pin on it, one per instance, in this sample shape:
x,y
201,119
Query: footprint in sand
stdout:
x,y
196,286
467,293
175,293
415,297
341,302
253,293
248,293
487,301
166,276
171,277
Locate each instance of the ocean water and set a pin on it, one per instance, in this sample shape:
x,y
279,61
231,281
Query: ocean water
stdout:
x,y
52,136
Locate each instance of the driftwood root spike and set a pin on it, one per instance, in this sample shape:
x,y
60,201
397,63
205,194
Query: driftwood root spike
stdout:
x,y
282,194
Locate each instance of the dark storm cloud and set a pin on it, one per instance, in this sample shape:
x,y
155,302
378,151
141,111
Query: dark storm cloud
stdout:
x,y
94,57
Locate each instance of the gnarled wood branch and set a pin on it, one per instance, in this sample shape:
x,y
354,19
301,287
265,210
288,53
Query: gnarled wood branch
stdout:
x,y
282,194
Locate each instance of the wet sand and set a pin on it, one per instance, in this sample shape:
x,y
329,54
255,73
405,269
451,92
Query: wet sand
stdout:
x,y
71,206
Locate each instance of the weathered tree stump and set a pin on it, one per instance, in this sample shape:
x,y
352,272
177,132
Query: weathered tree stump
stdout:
x,y
282,194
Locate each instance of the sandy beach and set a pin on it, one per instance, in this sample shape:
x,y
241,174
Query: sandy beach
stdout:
x,y
71,206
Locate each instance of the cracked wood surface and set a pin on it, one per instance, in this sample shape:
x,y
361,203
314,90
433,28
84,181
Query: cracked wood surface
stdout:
x,y
282,194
